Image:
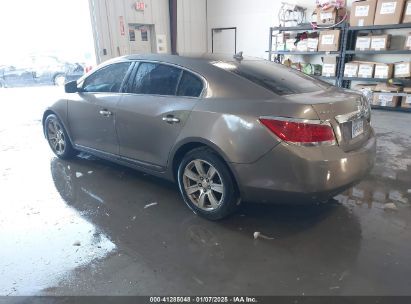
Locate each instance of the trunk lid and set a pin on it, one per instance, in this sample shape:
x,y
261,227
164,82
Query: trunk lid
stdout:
x,y
346,110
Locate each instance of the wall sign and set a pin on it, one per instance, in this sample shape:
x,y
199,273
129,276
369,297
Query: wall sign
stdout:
x,y
122,28
139,6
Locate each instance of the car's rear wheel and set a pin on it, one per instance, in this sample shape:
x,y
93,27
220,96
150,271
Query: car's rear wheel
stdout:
x,y
57,138
207,185
59,80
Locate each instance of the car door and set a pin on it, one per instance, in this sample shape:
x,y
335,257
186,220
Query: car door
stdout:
x,y
92,112
151,115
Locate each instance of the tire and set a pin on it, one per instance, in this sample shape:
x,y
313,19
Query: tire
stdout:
x,y
57,138
211,193
59,80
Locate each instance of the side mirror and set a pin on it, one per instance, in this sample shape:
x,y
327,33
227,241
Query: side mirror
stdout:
x,y
71,87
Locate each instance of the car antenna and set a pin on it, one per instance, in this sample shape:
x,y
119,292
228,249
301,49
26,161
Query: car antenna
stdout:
x,y
239,56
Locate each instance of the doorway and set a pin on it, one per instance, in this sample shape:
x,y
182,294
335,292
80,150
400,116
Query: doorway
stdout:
x,y
224,40
141,38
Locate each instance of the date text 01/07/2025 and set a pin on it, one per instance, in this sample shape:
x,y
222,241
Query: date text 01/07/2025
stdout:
x,y
203,299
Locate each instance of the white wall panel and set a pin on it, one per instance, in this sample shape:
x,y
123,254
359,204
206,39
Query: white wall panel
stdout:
x,y
191,26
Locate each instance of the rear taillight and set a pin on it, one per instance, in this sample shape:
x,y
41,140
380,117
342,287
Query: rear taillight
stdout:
x,y
304,132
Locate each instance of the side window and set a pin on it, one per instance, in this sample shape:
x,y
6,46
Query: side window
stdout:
x,y
190,85
108,79
157,79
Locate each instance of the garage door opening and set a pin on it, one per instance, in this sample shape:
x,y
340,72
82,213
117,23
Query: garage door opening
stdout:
x,y
44,42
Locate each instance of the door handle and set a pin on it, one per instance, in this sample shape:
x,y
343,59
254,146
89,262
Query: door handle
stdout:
x,y
106,113
171,119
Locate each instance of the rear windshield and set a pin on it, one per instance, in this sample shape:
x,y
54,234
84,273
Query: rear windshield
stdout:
x,y
275,77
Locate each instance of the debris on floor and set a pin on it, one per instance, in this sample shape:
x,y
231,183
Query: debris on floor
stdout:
x,y
198,281
77,243
356,192
133,218
150,205
89,172
343,275
397,196
79,174
390,206
379,196
258,234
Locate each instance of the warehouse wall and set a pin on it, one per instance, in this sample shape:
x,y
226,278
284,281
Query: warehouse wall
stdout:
x,y
252,19
195,21
191,26
107,28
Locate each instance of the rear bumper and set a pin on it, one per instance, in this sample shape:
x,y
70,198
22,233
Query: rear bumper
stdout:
x,y
298,174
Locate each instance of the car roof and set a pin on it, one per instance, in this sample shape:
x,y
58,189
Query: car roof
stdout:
x,y
189,60
221,82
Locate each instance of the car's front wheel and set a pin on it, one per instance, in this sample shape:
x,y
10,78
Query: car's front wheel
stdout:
x,y
59,80
207,185
57,138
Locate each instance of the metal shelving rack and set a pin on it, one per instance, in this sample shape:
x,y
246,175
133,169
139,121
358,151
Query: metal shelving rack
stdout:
x,y
350,52
346,53
308,27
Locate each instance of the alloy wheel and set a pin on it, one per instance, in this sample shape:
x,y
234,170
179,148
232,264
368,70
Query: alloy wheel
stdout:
x,y
203,185
55,136
59,80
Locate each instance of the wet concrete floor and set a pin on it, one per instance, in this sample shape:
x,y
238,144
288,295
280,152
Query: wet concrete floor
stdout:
x,y
83,227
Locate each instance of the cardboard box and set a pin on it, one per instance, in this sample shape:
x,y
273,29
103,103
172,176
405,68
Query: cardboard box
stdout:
x,y
406,101
277,39
302,46
363,43
281,37
407,45
402,69
312,44
289,44
407,12
351,69
329,66
383,70
389,12
381,99
326,17
390,88
329,41
380,42
329,16
280,46
363,13
366,69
